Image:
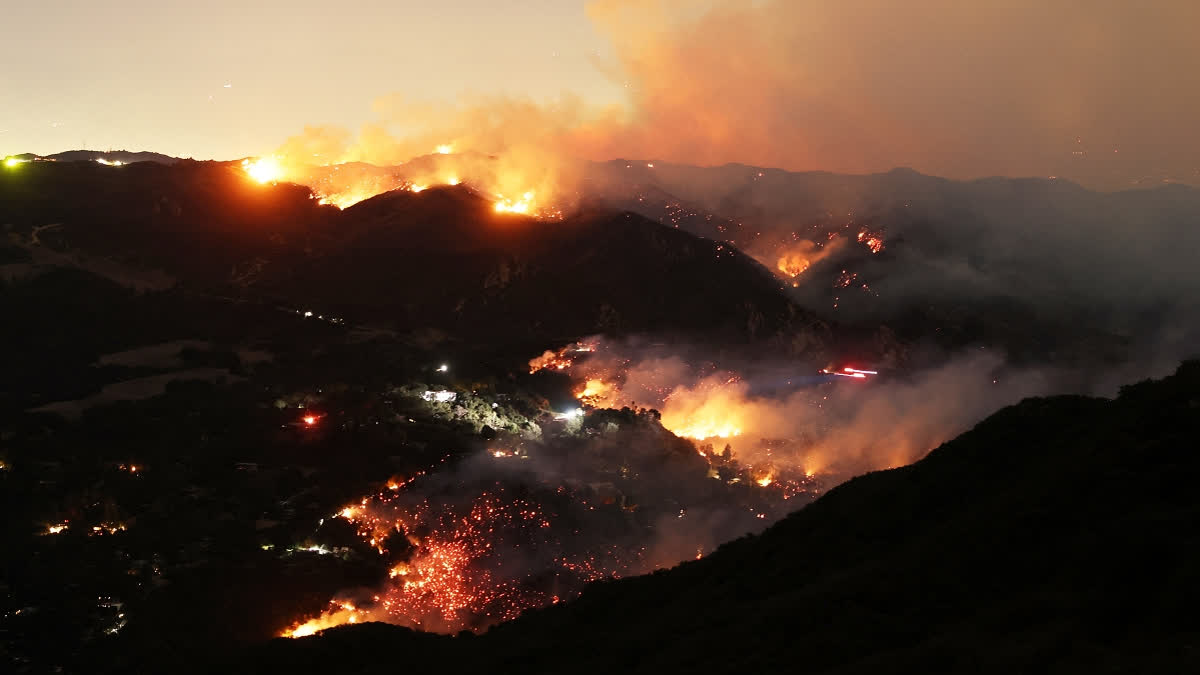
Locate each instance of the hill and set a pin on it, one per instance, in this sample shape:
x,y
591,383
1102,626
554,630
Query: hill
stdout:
x,y
1043,268
446,258
1056,536
440,259
125,156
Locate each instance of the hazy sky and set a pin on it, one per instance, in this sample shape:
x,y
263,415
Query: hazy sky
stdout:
x,y
151,74
1099,91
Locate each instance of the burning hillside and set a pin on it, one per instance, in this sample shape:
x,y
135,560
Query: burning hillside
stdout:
x,y
512,186
526,523
618,488
770,414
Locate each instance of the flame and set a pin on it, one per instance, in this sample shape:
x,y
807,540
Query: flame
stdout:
x,y
872,240
594,392
522,206
263,169
792,265
345,199
561,359
457,573
703,430
339,614
339,176
797,258
713,408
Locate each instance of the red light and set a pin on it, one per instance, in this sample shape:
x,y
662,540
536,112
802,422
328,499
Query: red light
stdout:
x,y
310,420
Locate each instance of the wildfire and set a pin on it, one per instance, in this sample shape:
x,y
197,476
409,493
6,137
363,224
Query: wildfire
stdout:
x,y
792,265
561,359
522,206
340,613
345,199
803,254
263,169
594,392
459,574
872,240
520,187
107,528
457,560
706,429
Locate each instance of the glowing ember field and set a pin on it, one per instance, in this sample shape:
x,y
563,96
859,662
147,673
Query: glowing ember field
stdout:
x,y
460,564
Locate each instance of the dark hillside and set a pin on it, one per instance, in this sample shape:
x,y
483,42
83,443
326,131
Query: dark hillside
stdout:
x,y
445,257
442,258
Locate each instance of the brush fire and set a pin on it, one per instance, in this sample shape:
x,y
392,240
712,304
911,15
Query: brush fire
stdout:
x,y
460,562
609,495
346,182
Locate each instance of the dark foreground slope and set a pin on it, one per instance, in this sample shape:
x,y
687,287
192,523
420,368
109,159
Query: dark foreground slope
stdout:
x,y
1057,536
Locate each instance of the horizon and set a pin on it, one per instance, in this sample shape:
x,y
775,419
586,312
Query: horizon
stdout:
x,y
1089,97
1163,183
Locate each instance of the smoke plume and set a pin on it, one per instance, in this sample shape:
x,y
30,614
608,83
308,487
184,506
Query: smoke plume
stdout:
x,y
1026,88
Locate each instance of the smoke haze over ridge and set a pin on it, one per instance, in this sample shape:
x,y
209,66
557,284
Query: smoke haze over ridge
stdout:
x,y
1088,92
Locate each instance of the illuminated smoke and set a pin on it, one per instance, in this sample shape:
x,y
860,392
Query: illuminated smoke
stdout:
x,y
858,87
827,421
